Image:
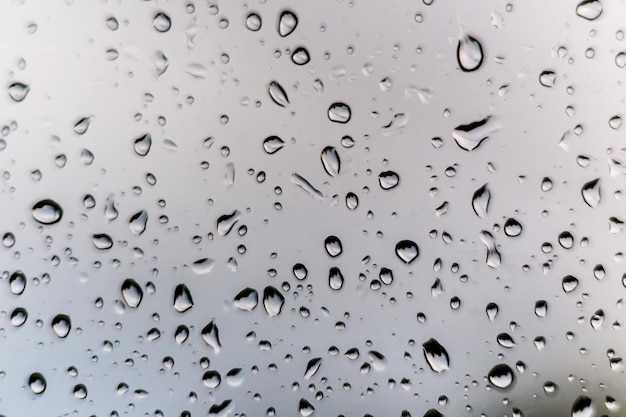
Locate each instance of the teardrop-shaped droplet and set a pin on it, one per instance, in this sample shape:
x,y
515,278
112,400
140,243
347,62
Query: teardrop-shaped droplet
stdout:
x,y
583,407
339,113
335,278
431,413
436,356
501,376
132,293
222,409
470,136
247,299
388,180
300,56
492,311
278,94
505,340
597,319
182,298
143,144
330,161
226,222
589,9
37,383
17,282
287,23
82,125
162,22
333,246
211,336
352,201
47,212
407,251
481,200
273,144
254,22
18,91
512,227
591,192
102,241
181,334
305,408
203,266
312,367
547,78
211,379
569,283
469,53
138,221
566,240
110,211
273,301
61,325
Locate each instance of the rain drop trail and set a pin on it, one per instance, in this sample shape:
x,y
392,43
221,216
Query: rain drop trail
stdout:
x,y
493,259
306,186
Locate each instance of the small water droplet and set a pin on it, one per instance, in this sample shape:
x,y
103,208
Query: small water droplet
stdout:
x,y
388,180
339,113
407,251
505,340
501,376
481,200
386,276
492,311
436,356
591,192
278,94
254,22
469,53
273,144
8,240
589,9
61,325
162,22
112,23
37,383
182,298
300,56
18,91
287,23
597,319
132,293
47,212
330,161
138,221
181,334
247,299
273,301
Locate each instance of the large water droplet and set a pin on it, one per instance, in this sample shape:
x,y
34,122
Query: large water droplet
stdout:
x,y
589,9
162,22
583,407
273,301
211,379
143,144
18,91
481,200
305,408
138,221
569,283
247,299
312,367
182,298
181,334
591,192
222,409
505,340
386,276
211,336
17,282
436,356
132,293
493,259
254,22
80,391
18,317
273,144
278,94
203,266
287,23
300,271
333,246
61,325
352,201
339,113
547,78
47,212
469,53
407,251
335,278
226,222
37,383
330,161
541,308
512,227
102,241
501,376
388,180
300,56
469,137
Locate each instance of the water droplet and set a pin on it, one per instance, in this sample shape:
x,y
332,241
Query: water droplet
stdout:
x,y
160,63
18,91
352,201
305,408
80,391
138,221
492,311
162,22
330,161
512,227
300,56
287,23
47,212
591,192
61,325
254,22
469,53
203,266
226,222
143,144
300,271
566,240
8,240
102,241
278,94
18,317
469,137
335,278
541,308
436,356
493,259
220,410
407,251
273,144
481,200
547,78
505,340
110,211
620,59
312,367
82,125
182,298
306,186
273,301
589,9
17,282
132,293
583,407
597,319
570,283
501,376
386,276
211,379
37,383
333,246
181,334
210,335
339,113
247,299
388,180
430,413
112,23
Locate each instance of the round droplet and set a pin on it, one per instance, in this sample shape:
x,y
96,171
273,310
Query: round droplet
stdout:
x,y
37,383
47,212
333,246
17,282
352,201
407,251
253,22
386,276
335,278
102,241
300,56
18,317
61,325
566,240
330,161
388,180
80,391
589,9
211,379
501,376
583,407
112,23
287,23
132,293
570,283
273,144
162,22
469,53
547,78
182,298
339,113
620,59
18,91
512,227
143,144
247,299
300,271
8,240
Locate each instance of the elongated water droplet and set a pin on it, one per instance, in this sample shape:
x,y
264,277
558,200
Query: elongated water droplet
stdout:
x,y
226,222
306,186
210,335
330,161
143,144
203,266
407,251
591,192
481,200
102,241
254,22
138,221
181,334
18,316
339,113
17,282
162,22
222,409
182,298
512,227
352,201
61,325
583,407
273,301
82,125
501,376
386,276
18,91
305,408
470,136
287,23
132,293
388,180
547,78
436,356
335,278
333,246
278,94
273,144
589,9
312,367
300,56
47,212
37,383
247,299
469,53
493,259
